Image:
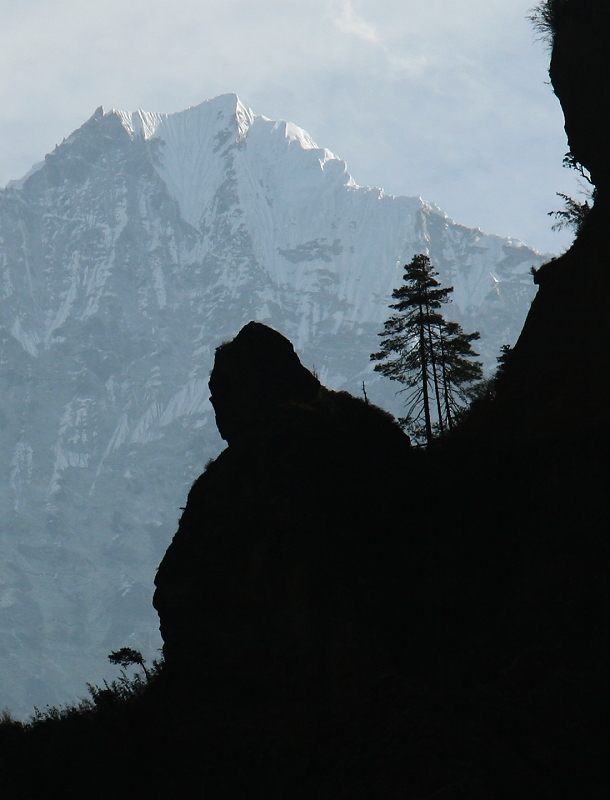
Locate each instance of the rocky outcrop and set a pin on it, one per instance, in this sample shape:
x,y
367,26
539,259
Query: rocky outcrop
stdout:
x,y
555,383
253,375
580,74
346,616
341,619
288,563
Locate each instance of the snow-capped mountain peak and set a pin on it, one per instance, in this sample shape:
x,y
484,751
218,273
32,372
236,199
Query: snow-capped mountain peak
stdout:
x,y
199,144
127,256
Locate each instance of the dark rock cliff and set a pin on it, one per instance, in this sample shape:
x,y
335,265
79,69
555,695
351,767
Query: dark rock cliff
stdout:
x,y
346,616
286,563
580,74
555,385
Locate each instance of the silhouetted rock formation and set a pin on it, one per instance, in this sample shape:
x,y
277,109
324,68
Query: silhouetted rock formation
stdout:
x,y
338,607
287,562
253,375
345,616
555,384
580,74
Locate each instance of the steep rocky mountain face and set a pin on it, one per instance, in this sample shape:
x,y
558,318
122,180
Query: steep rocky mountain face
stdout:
x,y
136,248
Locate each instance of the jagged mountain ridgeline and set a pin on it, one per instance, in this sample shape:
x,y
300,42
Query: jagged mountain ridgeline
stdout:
x,y
140,244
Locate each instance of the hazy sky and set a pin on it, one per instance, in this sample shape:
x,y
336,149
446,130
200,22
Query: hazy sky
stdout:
x,y
446,99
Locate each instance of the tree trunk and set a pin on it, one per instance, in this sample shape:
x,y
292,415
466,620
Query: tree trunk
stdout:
x,y
435,375
424,374
446,388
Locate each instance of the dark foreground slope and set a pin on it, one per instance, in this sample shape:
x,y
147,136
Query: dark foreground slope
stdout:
x,y
363,627
343,620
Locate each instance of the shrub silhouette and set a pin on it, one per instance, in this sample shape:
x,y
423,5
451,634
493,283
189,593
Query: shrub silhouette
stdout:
x,y
551,16
127,656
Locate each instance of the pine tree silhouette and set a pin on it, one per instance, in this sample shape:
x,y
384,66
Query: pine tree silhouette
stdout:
x,y
430,356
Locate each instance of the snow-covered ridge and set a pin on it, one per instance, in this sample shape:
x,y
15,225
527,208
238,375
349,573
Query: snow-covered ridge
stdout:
x,y
220,113
202,117
197,142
